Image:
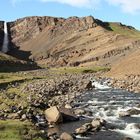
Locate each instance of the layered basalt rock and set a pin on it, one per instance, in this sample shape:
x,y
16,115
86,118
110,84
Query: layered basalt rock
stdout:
x,y
25,29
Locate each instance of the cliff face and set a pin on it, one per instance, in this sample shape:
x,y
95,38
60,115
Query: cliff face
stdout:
x,y
1,33
72,42
25,29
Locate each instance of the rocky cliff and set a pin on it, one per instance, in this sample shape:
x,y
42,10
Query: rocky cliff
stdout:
x,y
74,41
27,28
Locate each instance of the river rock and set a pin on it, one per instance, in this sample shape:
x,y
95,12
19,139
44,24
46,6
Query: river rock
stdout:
x,y
124,114
88,126
127,138
133,111
96,124
23,117
84,129
81,130
79,111
66,136
68,115
138,106
68,106
89,85
53,115
133,126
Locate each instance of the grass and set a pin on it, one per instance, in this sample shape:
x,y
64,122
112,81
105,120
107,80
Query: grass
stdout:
x,y
7,78
6,57
17,130
72,70
124,30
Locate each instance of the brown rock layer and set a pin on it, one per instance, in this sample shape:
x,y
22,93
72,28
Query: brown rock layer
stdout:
x,y
27,28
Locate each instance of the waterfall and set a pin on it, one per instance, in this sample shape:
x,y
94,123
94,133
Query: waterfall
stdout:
x,y
5,41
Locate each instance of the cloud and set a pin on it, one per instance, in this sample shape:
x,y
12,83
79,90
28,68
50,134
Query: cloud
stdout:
x,y
77,3
128,6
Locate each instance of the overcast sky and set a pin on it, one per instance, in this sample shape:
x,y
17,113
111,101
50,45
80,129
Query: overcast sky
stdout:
x,y
125,11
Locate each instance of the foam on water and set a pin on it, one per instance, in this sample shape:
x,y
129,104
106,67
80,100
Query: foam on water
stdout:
x,y
100,86
80,137
131,130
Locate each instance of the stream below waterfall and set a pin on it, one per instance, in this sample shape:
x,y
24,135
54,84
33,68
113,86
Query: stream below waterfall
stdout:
x,y
106,103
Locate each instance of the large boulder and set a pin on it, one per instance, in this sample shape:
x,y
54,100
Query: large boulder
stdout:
x,y
53,115
68,114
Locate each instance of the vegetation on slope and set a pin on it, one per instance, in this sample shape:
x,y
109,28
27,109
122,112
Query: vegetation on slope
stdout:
x,y
124,30
4,57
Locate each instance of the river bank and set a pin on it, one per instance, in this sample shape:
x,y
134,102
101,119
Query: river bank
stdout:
x,y
76,92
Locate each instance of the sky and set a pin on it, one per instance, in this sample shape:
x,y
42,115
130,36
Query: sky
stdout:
x,y
124,11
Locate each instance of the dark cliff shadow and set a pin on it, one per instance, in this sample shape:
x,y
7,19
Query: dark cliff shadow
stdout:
x,y
105,25
23,63
15,50
19,54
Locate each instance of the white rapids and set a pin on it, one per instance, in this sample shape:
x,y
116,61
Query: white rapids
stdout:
x,y
106,102
100,86
6,40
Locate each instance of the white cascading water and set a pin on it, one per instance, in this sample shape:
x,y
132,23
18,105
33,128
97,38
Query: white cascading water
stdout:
x,y
99,86
105,102
6,40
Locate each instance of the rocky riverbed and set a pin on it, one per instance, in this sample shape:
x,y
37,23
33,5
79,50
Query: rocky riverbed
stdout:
x,y
76,106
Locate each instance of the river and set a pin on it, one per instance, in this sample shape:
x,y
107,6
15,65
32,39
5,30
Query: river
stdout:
x,y
106,103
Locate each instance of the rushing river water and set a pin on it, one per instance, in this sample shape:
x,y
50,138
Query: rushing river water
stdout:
x,y
106,103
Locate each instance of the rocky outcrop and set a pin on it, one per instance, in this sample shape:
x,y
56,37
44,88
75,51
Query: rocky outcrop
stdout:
x,y
27,28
